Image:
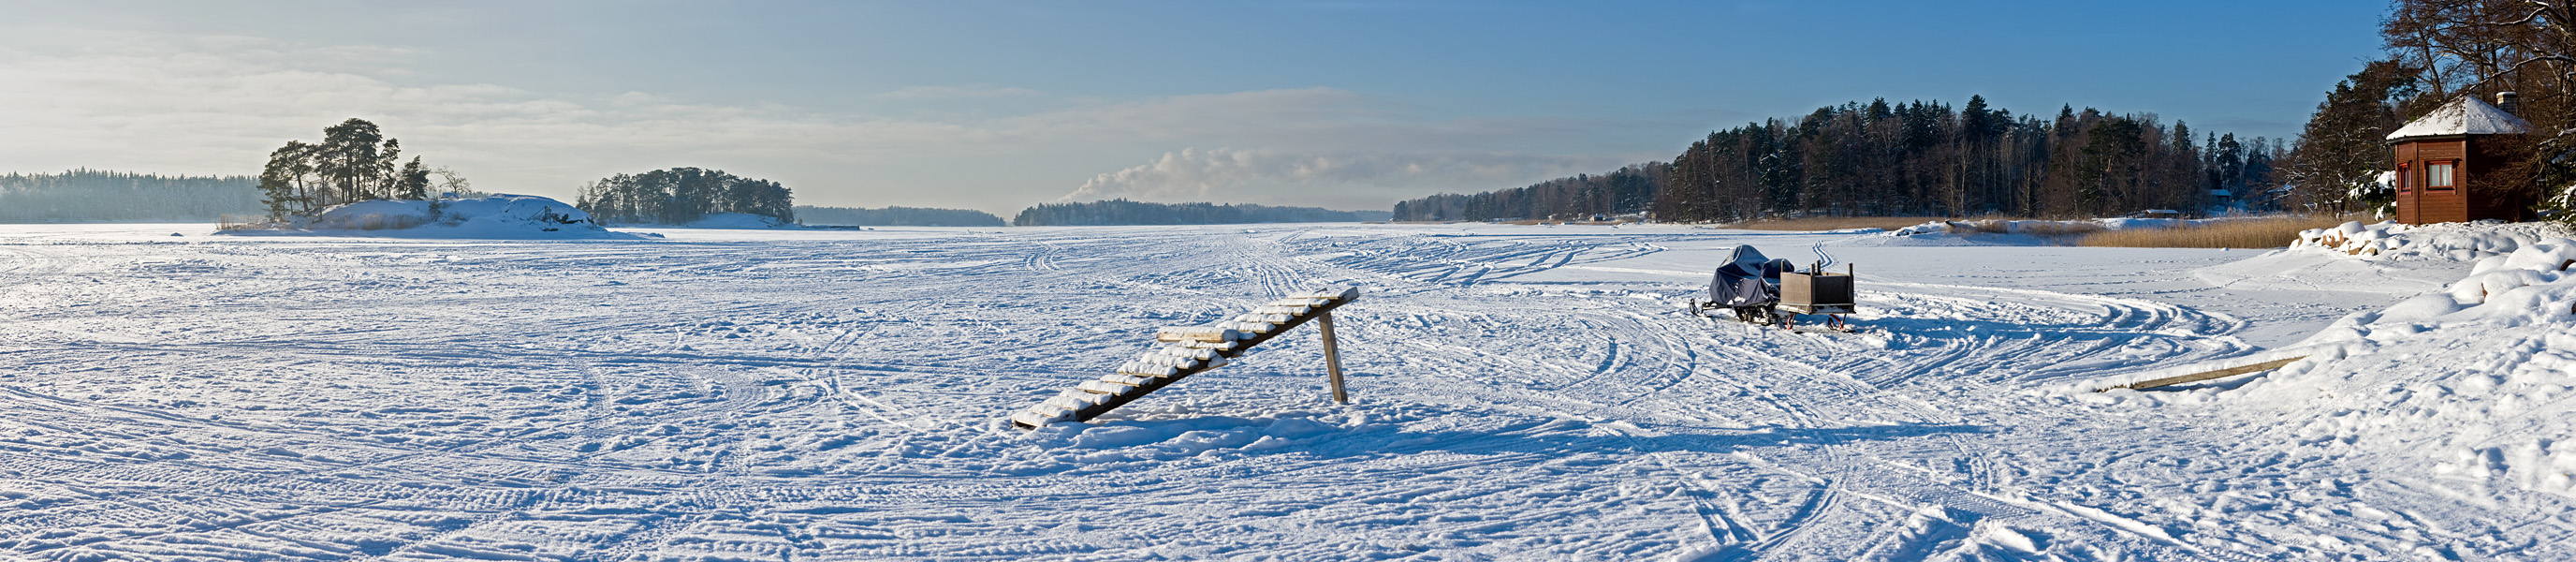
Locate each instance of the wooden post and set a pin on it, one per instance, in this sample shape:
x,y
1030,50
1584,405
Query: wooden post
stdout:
x,y
1332,358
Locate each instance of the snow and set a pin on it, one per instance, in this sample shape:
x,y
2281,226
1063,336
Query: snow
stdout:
x,y
2466,115
1520,393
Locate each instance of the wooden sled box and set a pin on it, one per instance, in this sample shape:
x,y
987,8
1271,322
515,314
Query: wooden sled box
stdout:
x,y
1817,293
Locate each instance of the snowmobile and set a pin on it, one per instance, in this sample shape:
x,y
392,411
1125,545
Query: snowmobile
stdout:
x,y
1761,290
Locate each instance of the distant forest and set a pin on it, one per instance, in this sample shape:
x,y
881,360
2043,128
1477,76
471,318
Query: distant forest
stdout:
x,y
1124,212
1628,190
1917,158
895,216
101,196
679,196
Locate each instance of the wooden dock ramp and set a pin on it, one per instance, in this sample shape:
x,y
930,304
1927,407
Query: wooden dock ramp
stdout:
x,y
1186,351
2205,375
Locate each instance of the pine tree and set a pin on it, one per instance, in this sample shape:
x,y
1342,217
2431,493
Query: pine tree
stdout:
x,y
413,183
354,162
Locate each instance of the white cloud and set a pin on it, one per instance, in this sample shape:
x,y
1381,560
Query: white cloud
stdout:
x,y
208,105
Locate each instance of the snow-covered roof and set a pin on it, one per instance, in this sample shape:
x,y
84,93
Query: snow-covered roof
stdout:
x,y
2465,116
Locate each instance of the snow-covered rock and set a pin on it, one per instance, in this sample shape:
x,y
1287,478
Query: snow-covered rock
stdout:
x,y
740,221
2391,241
495,216
2015,232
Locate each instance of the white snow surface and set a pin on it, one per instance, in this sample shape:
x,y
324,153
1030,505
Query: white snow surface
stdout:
x,y
1522,393
2466,115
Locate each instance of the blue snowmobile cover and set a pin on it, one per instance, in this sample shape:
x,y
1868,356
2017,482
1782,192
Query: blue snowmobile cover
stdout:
x,y
1747,279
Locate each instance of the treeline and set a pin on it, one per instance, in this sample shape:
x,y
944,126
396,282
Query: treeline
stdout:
x,y
1123,212
102,196
679,196
1628,190
1920,158
895,216
1917,158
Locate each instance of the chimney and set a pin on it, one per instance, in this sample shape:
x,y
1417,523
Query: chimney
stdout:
x,y
2509,102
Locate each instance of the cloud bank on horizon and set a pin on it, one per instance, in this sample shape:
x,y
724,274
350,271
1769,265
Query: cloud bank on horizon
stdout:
x,y
1281,178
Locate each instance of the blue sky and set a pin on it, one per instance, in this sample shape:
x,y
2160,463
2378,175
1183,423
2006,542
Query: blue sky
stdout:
x,y
998,105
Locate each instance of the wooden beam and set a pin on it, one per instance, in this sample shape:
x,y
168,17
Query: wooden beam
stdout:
x,y
2197,377
1332,358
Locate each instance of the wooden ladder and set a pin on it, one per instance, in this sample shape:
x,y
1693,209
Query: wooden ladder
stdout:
x,y
1192,350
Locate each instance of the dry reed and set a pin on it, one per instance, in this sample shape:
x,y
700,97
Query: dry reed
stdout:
x,y
2272,232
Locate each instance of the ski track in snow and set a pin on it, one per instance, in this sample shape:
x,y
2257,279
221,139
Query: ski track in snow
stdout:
x,y
837,396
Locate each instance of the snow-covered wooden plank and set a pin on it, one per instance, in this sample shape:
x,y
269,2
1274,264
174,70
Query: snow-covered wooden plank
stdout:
x,y
1345,293
1069,402
1174,361
1197,334
1144,370
1187,350
1190,353
1033,418
1104,387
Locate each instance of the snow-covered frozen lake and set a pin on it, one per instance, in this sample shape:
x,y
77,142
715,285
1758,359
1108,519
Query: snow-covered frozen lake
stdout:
x,y
1522,392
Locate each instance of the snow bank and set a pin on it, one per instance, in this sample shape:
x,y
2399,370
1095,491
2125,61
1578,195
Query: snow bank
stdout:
x,y
2472,376
492,217
2470,379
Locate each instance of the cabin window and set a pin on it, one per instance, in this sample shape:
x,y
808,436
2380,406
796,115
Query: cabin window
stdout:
x,y
2438,176
2405,178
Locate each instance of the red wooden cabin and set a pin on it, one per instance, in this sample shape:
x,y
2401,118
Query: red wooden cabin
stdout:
x,y
2450,163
